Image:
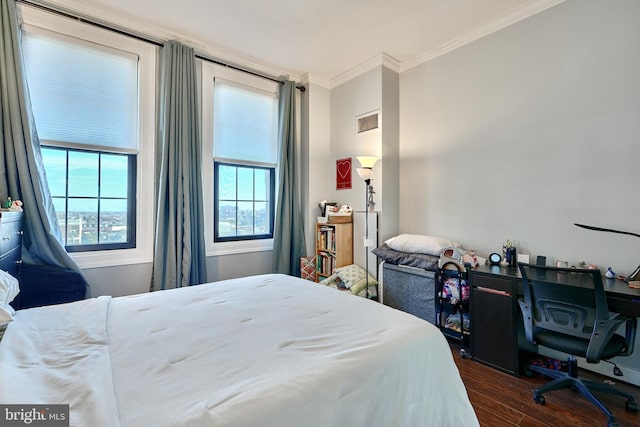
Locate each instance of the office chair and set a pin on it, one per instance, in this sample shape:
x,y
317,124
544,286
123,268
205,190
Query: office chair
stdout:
x,y
565,309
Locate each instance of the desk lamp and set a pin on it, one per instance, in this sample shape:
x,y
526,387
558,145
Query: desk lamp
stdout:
x,y
366,173
636,273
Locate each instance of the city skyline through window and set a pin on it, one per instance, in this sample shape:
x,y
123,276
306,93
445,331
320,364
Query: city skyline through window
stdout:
x,y
90,193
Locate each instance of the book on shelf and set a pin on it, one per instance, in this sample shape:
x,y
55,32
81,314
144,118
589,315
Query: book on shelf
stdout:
x,y
326,239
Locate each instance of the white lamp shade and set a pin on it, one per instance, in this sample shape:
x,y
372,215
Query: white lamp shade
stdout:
x,y
365,173
367,161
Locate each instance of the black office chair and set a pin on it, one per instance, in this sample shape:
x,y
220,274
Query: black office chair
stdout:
x,y
565,309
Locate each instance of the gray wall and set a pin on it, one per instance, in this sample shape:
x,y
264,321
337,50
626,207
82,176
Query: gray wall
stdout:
x,y
356,97
316,157
389,182
377,89
136,278
349,100
524,132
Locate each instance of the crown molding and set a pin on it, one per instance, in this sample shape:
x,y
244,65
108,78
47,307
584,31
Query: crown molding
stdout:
x,y
382,59
471,36
481,31
307,78
120,21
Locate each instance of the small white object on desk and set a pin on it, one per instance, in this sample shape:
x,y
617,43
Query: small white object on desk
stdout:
x,y
610,274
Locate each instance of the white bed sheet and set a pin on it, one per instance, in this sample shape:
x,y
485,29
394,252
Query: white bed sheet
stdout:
x,y
270,350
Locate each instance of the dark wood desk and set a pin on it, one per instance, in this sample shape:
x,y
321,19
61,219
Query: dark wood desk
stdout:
x,y
620,297
496,325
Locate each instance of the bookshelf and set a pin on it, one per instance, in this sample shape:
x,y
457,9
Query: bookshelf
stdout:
x,y
334,248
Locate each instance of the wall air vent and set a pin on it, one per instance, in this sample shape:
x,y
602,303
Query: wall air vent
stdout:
x,y
368,122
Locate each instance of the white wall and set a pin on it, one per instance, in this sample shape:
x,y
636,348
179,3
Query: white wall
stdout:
x,y
524,132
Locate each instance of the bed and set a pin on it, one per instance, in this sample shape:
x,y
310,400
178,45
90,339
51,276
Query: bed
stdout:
x,y
268,350
408,266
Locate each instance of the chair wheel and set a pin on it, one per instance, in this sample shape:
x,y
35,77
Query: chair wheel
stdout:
x,y
631,406
463,353
613,424
538,398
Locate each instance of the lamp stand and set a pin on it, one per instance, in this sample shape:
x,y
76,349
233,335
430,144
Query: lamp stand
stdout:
x,y
366,234
369,207
366,173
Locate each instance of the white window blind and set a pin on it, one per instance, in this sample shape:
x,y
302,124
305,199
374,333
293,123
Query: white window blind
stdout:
x,y
245,122
82,93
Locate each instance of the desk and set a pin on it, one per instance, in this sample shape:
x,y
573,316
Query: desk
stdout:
x,y
496,321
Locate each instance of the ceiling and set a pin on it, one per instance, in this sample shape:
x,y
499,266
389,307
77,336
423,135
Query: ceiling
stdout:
x,y
322,38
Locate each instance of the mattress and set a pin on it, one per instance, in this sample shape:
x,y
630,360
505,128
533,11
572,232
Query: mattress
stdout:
x,y
269,350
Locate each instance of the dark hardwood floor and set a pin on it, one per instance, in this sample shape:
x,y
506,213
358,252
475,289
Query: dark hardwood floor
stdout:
x,y
500,399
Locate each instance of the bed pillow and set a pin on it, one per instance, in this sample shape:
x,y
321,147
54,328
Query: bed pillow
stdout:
x,y
359,288
330,281
8,291
354,277
424,261
419,244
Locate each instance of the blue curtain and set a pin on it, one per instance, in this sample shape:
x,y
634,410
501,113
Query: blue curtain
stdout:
x,y
288,239
180,258
22,173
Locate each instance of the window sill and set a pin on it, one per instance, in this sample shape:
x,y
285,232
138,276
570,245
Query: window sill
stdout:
x,y
231,248
97,259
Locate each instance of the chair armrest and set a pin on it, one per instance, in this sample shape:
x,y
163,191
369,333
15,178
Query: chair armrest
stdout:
x,y
603,330
630,335
528,322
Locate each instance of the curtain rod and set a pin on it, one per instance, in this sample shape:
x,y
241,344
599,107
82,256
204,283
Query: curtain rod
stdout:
x,y
145,38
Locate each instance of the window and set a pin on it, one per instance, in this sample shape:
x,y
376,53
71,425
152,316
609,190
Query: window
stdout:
x,y
94,197
240,138
93,100
84,95
243,199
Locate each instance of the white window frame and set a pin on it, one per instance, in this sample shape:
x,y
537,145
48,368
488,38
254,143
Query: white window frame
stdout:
x,y
209,72
35,19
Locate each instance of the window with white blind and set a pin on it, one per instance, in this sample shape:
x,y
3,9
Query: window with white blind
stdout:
x,y
83,94
92,97
84,101
240,138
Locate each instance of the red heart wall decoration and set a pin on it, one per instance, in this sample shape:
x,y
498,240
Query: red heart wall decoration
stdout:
x,y
343,174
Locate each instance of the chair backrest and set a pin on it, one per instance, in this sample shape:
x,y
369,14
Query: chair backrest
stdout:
x,y
564,300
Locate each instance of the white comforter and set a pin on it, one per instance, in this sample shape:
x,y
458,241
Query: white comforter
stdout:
x,y
269,350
